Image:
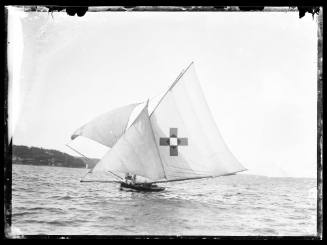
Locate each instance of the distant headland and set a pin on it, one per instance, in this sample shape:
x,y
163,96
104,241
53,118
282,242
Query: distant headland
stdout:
x,y
46,157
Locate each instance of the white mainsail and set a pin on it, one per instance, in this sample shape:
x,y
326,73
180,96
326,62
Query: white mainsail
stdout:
x,y
107,128
178,140
135,152
189,142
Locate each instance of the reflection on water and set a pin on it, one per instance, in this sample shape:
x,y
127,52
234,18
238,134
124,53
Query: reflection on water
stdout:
x,y
51,200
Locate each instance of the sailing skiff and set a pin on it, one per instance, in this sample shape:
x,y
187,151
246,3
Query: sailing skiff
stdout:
x,y
178,140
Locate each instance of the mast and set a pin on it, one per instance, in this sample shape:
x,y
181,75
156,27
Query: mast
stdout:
x,y
171,86
163,169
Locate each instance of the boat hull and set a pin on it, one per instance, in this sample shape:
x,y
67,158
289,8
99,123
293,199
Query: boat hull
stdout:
x,y
141,187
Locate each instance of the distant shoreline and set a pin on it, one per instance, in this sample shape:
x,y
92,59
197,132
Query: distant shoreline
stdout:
x,y
44,165
36,156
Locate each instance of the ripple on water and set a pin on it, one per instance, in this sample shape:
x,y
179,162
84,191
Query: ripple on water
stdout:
x,y
50,200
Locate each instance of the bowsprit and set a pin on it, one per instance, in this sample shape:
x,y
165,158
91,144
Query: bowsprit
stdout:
x,y
173,141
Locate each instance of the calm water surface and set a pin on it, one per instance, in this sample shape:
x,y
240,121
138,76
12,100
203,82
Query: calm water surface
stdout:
x,y
52,201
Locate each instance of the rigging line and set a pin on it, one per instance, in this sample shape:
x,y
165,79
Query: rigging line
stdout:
x,y
84,160
171,86
155,143
115,175
77,152
101,181
81,180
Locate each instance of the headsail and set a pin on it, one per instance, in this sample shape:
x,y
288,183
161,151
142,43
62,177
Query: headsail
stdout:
x,y
135,152
107,128
189,142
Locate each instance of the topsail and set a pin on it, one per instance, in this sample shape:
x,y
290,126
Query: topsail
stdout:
x,y
107,128
179,140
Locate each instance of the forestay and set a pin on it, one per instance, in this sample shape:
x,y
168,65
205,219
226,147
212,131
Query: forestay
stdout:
x,y
107,128
189,142
135,152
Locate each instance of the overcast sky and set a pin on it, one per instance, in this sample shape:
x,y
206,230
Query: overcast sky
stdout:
x,y
258,71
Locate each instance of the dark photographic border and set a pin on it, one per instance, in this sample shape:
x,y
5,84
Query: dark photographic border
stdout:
x,y
78,12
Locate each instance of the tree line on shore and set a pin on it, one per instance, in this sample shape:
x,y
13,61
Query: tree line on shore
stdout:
x,y
39,156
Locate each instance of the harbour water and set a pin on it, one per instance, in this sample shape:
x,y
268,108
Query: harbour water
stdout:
x,y
52,201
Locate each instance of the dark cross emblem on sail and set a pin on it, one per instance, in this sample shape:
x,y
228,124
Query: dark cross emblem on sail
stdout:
x,y
173,141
